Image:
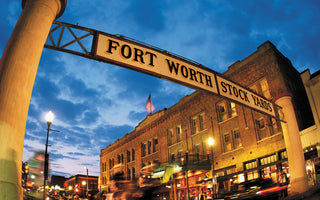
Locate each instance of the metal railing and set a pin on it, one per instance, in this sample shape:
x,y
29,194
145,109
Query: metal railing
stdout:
x,y
189,159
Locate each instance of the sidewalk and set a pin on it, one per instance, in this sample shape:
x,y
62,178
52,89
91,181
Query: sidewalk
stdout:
x,y
312,194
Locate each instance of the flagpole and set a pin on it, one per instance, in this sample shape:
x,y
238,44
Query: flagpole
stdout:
x,y
150,103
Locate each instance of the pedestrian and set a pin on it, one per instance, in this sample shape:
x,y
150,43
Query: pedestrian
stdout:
x,y
201,195
284,181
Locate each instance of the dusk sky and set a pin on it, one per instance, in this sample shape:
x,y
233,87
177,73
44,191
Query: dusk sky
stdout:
x,y
96,103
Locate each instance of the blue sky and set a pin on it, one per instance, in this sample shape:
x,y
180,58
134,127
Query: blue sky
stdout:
x,y
96,103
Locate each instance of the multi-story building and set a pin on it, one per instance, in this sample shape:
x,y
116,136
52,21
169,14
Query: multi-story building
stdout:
x,y
81,185
310,137
247,143
57,181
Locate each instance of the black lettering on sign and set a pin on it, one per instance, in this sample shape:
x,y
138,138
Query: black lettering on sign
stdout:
x,y
123,51
262,103
234,91
112,45
127,52
208,80
224,88
200,76
184,71
190,73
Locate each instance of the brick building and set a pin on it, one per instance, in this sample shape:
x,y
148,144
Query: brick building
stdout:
x,y
81,185
247,143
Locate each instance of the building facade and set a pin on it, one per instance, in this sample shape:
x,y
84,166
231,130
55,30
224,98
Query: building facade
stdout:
x,y
310,137
247,144
81,185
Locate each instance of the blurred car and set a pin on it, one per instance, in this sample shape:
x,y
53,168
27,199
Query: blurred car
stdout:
x,y
258,189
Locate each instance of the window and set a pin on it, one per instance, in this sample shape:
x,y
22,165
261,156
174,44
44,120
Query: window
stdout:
x,y
265,89
232,109
269,159
262,132
262,88
226,110
155,144
222,111
170,137
143,149
250,165
202,122
179,154
236,138
283,155
119,159
178,131
227,142
274,126
128,156
231,170
252,175
133,173
220,173
129,174
193,125
149,147
104,166
172,157
133,156
198,123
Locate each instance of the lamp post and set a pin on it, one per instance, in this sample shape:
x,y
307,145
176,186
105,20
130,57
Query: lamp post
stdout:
x,y
49,118
211,143
87,180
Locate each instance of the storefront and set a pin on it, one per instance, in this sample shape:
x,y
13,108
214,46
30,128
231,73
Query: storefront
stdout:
x,y
312,164
273,166
199,182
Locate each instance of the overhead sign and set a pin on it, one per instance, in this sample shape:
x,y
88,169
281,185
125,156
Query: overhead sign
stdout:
x,y
239,94
151,61
142,58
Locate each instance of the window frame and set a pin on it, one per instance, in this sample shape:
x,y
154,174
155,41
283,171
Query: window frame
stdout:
x,y
226,143
178,133
236,136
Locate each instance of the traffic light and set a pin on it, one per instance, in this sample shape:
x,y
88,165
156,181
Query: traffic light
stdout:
x,y
76,188
26,169
25,173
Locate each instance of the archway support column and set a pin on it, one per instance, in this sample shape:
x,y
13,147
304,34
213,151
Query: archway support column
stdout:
x,y
18,68
298,178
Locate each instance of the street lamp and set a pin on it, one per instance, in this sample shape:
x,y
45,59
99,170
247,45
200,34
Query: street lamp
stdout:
x,y
49,117
211,141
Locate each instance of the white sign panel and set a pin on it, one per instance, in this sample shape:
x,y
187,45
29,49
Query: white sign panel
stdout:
x,y
156,63
117,50
239,94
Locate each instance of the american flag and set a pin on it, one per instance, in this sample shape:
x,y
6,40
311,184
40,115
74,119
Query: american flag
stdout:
x,y
149,105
